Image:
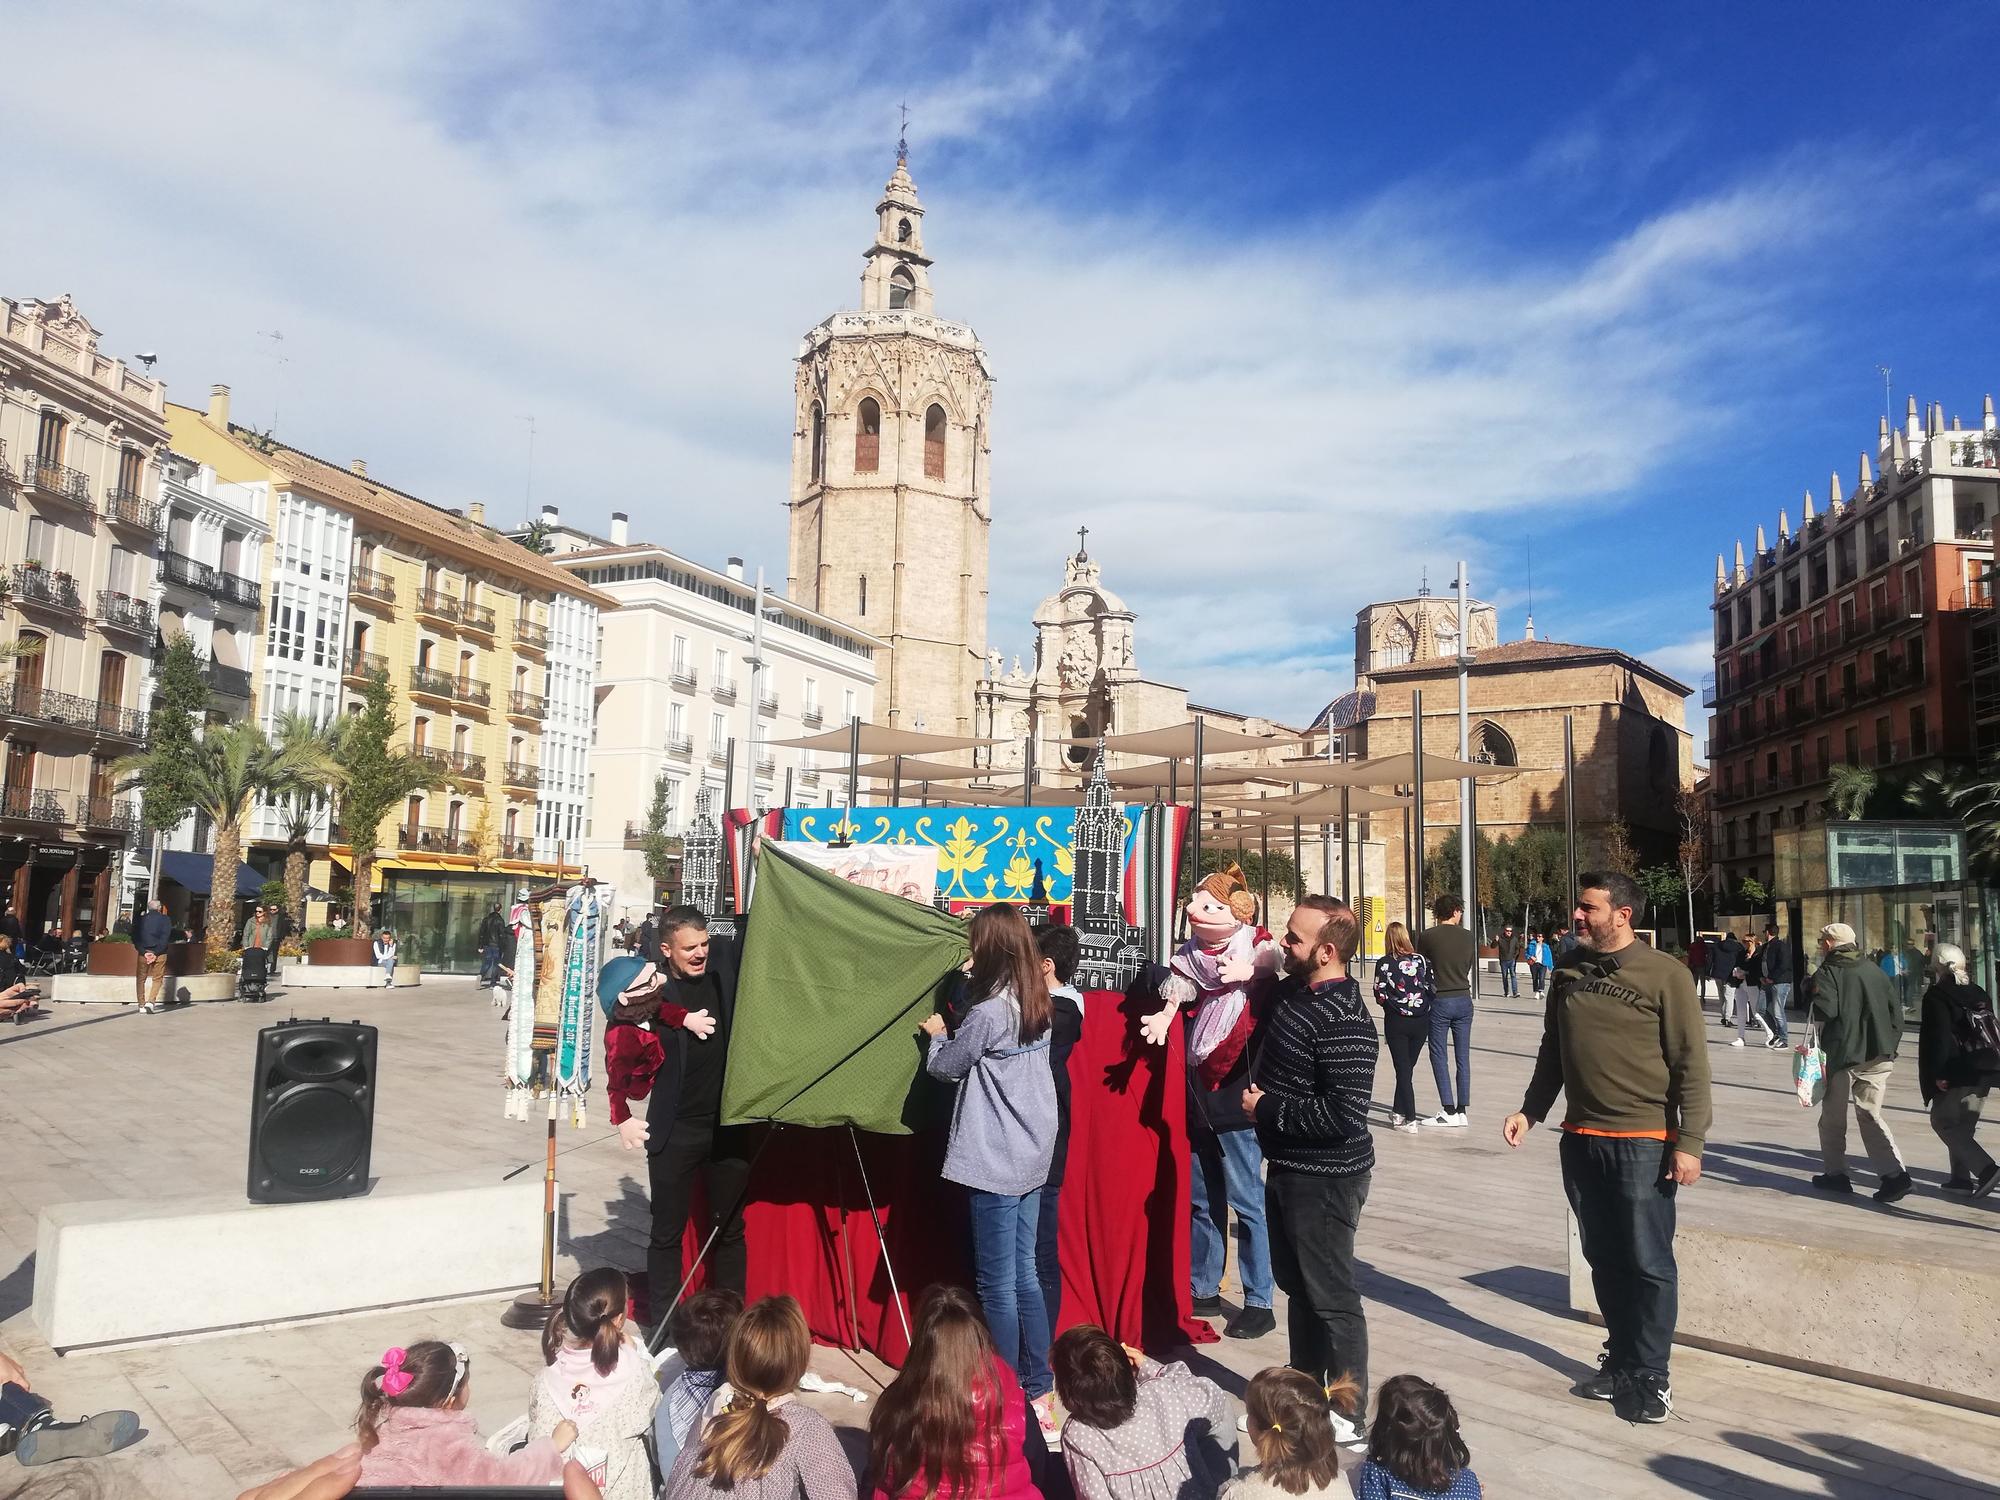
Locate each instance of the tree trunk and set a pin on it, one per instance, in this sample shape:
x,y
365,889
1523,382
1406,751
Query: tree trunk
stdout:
x,y
364,876
295,885
221,926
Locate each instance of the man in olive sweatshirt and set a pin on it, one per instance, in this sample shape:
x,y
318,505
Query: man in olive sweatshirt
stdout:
x,y
1623,1042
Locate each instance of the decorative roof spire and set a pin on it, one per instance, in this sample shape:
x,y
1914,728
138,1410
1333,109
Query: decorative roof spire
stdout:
x,y
1867,475
1784,526
1897,449
1882,436
1721,577
1986,422
1912,424
1740,571
1809,503
1762,548
1936,423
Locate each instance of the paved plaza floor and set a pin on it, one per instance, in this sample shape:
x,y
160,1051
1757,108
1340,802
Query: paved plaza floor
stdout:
x,y
1464,1244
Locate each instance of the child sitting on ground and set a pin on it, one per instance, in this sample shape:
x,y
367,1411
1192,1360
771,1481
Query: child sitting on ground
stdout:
x,y
1127,1436
953,1424
764,1445
700,1330
602,1381
1414,1450
414,1429
1289,1416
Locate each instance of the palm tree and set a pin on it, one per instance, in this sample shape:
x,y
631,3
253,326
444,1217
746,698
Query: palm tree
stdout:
x,y
233,767
300,809
1975,801
1849,788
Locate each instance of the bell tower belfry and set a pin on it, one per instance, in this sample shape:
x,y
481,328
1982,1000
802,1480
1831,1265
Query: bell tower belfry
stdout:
x,y
890,508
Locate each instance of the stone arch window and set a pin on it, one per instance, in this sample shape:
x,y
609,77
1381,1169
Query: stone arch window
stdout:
x,y
1492,744
818,442
868,436
903,231
1399,645
1079,755
934,443
902,285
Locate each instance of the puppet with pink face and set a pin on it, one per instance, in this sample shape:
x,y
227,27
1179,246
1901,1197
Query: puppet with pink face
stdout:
x,y
1224,956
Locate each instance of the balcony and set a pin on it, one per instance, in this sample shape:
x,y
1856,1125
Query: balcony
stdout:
x,y
768,707
44,589
7,479
724,690
20,804
31,701
188,573
526,705
123,612
128,508
228,682
476,617
432,839
680,744
718,755
530,636
362,665
51,481
434,684
451,762
439,605
808,776
516,846
1708,692
521,773
682,676
109,814
376,588
232,588
812,718
767,765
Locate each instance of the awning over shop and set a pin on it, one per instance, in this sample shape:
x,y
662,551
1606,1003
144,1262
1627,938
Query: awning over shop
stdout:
x,y
195,871
458,864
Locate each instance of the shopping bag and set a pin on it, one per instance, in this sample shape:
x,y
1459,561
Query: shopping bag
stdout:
x,y
1809,1070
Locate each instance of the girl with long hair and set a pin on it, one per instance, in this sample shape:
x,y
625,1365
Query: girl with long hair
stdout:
x,y
1138,1430
1404,988
763,1445
598,1377
414,1429
1289,1416
1003,1133
953,1425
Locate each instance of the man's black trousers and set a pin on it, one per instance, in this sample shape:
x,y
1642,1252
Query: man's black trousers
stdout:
x,y
1624,1207
1312,1218
720,1156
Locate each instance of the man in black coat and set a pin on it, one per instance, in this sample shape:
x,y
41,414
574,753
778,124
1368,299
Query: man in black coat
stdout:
x,y
1725,957
492,939
682,1133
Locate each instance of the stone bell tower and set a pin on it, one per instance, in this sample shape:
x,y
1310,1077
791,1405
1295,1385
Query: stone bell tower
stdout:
x,y
890,508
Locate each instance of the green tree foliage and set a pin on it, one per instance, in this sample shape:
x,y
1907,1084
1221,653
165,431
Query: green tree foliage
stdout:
x,y
1284,875
300,809
1849,789
180,706
537,538
1531,879
1613,849
659,848
375,775
1443,877
1663,887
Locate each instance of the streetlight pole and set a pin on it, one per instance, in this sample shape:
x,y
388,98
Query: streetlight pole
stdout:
x,y
756,660
1466,829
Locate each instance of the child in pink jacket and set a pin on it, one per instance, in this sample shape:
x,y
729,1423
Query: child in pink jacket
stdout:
x,y
415,1430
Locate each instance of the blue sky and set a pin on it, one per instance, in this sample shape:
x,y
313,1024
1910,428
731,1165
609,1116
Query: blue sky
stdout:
x,y
1286,301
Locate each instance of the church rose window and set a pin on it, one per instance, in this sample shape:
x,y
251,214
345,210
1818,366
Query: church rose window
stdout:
x,y
868,437
934,443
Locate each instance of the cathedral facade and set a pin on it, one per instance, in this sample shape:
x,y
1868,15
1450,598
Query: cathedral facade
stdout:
x,y
890,498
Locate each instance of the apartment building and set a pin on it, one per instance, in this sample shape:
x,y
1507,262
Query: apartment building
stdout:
x,y
675,694
82,436
1848,641
490,648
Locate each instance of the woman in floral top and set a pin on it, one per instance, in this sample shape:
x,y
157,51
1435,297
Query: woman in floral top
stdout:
x,y
1404,988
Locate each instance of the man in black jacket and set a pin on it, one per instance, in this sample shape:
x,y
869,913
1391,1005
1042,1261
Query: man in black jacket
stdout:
x,y
1774,974
492,937
683,1132
1725,957
1060,951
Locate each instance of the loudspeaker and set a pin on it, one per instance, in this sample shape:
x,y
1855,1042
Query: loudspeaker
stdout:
x,y
312,1111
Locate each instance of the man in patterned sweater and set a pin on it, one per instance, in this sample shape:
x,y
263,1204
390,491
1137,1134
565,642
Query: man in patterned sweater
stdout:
x,y
1309,1092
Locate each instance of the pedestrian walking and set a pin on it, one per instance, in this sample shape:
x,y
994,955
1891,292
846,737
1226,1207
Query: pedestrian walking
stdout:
x,y
1309,1093
1540,960
1861,1026
1452,954
492,939
1622,1042
1697,961
1507,949
1750,991
1725,957
1958,1062
1775,971
1404,988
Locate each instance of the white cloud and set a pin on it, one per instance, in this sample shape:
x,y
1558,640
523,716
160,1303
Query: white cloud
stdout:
x,y
458,215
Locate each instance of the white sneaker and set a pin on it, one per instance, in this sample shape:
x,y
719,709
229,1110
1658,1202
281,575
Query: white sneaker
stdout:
x,y
1407,1127
1345,1433
1737,1043
1448,1122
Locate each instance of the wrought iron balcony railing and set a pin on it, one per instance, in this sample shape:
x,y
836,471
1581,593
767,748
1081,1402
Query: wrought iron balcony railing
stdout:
x,y
236,589
531,634
437,684
123,612
725,690
682,676
366,583
365,664
37,587
21,804
517,846
433,839
230,682
451,762
522,773
29,700
191,574
114,814
52,481
438,604
123,507
679,744
812,718
476,617
527,705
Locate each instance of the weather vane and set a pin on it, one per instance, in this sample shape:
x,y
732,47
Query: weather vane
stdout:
x,y
903,136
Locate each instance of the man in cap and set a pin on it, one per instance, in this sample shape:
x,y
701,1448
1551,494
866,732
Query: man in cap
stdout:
x,y
1860,1028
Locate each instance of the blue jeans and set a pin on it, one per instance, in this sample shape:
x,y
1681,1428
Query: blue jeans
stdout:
x,y
1004,1230
1225,1172
1048,1254
1777,999
1624,1207
1451,1017
489,964
1510,979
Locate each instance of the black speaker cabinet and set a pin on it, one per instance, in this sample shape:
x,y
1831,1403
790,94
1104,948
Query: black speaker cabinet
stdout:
x,y
312,1111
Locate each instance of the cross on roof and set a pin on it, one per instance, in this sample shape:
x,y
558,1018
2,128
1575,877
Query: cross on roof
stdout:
x,y
1081,533
903,136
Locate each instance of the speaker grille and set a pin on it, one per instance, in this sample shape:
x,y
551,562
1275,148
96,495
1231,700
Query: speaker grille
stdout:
x,y
312,1111
312,1137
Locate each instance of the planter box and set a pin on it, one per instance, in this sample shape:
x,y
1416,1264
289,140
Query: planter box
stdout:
x,y
340,952
123,958
116,989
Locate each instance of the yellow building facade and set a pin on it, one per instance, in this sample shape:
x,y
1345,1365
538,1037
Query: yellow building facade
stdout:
x,y
490,649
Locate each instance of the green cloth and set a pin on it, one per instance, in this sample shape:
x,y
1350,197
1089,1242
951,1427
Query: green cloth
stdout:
x,y
1861,1018
835,979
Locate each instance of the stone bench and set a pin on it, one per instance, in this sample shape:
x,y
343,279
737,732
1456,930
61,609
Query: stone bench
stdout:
x,y
1917,1318
116,989
113,1272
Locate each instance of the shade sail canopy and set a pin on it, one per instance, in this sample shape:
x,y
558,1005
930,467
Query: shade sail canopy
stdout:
x,y
1392,770
876,740
1171,773
1317,804
913,770
1178,741
1004,796
196,872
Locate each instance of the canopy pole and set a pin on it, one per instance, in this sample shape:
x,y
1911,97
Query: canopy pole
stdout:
x,y
1298,857
729,775
1468,831
1264,865
788,785
881,1239
1416,850
853,762
1028,771
1569,797
1196,876
896,783
1346,838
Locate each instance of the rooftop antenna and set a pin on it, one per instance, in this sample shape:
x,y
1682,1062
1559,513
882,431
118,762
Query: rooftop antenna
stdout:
x,y
1530,635
1883,371
903,136
528,495
278,381
1424,588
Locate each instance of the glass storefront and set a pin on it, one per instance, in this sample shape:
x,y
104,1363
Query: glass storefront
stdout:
x,y
436,915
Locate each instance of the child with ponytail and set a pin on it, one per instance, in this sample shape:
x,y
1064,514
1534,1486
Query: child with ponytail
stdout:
x,y
414,1429
601,1380
763,1445
1289,1416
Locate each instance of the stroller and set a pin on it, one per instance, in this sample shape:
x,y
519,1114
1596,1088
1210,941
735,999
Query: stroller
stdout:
x,y
254,976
